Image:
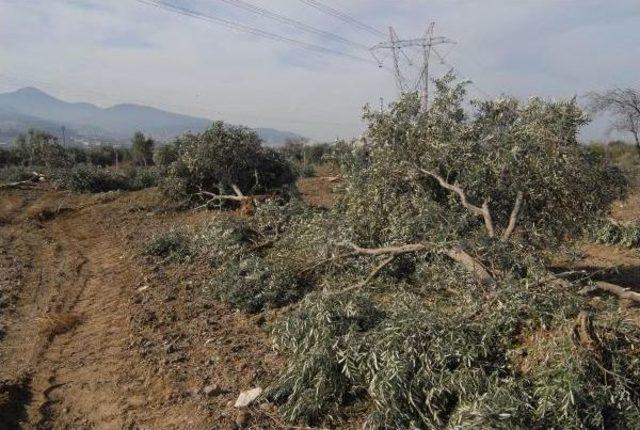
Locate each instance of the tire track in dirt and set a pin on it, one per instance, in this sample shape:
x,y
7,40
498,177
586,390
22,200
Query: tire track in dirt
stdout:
x,y
85,376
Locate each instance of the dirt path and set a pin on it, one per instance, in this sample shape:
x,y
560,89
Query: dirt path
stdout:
x,y
69,339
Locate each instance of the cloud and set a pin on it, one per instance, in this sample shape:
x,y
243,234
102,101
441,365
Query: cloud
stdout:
x,y
126,51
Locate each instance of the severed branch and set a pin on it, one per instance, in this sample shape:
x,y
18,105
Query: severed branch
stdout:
x,y
585,335
513,219
393,250
457,254
479,211
36,177
371,276
325,261
621,292
471,264
237,197
237,191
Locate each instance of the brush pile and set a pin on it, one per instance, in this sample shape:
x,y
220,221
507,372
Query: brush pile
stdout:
x,y
422,299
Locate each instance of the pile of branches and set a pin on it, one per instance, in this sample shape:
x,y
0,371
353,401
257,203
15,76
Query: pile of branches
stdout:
x,y
613,232
222,165
427,299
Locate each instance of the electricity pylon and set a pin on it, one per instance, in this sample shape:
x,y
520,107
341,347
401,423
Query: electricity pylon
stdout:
x,y
398,46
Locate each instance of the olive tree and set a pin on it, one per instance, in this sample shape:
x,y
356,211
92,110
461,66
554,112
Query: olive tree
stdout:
x,y
142,149
39,148
224,163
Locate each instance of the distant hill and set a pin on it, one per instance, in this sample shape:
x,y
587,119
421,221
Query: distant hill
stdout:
x,y
32,108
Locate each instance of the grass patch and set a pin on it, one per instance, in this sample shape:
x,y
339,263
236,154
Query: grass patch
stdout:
x,y
172,245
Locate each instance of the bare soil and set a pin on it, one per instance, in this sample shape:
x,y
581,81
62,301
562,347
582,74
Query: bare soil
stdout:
x,y
95,336
92,335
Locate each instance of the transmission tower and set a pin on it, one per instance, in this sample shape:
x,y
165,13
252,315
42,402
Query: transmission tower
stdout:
x,y
398,47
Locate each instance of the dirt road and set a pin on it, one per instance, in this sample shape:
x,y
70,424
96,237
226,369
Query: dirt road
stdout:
x,y
74,354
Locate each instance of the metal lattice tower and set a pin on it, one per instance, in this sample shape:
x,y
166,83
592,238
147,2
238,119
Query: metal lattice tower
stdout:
x,y
398,47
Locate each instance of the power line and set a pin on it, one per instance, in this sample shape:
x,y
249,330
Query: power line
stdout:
x,y
457,70
292,22
160,4
342,16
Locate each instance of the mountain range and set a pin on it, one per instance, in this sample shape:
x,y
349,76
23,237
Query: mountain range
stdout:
x,y
30,107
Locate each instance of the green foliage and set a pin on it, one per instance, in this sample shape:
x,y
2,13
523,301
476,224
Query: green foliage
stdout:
x,y
314,383
432,348
173,245
440,365
502,148
142,149
8,158
304,155
85,178
38,148
306,170
15,173
626,234
165,155
223,156
252,284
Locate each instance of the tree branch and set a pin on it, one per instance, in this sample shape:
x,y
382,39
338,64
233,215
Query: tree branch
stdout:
x,y
36,177
479,211
472,265
457,254
513,219
393,250
369,278
621,292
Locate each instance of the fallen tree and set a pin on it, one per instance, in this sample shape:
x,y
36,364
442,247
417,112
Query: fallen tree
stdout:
x,y
423,298
224,158
34,179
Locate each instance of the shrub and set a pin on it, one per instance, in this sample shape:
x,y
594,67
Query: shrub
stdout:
x,y
252,284
141,178
223,156
142,149
8,157
15,173
89,179
626,234
38,148
85,178
172,245
306,170
165,155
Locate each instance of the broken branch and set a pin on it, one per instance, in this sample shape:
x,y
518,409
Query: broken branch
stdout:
x,y
513,219
621,292
372,275
456,253
472,265
394,250
479,211
36,177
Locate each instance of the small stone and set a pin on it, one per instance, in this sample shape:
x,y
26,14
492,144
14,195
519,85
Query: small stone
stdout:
x,y
247,397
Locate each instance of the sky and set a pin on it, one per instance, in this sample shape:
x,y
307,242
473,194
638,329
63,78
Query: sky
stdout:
x,y
126,51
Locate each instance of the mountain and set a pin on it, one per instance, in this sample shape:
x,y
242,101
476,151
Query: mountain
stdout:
x,y
32,108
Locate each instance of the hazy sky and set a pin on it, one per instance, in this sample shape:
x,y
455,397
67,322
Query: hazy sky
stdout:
x,y
115,51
